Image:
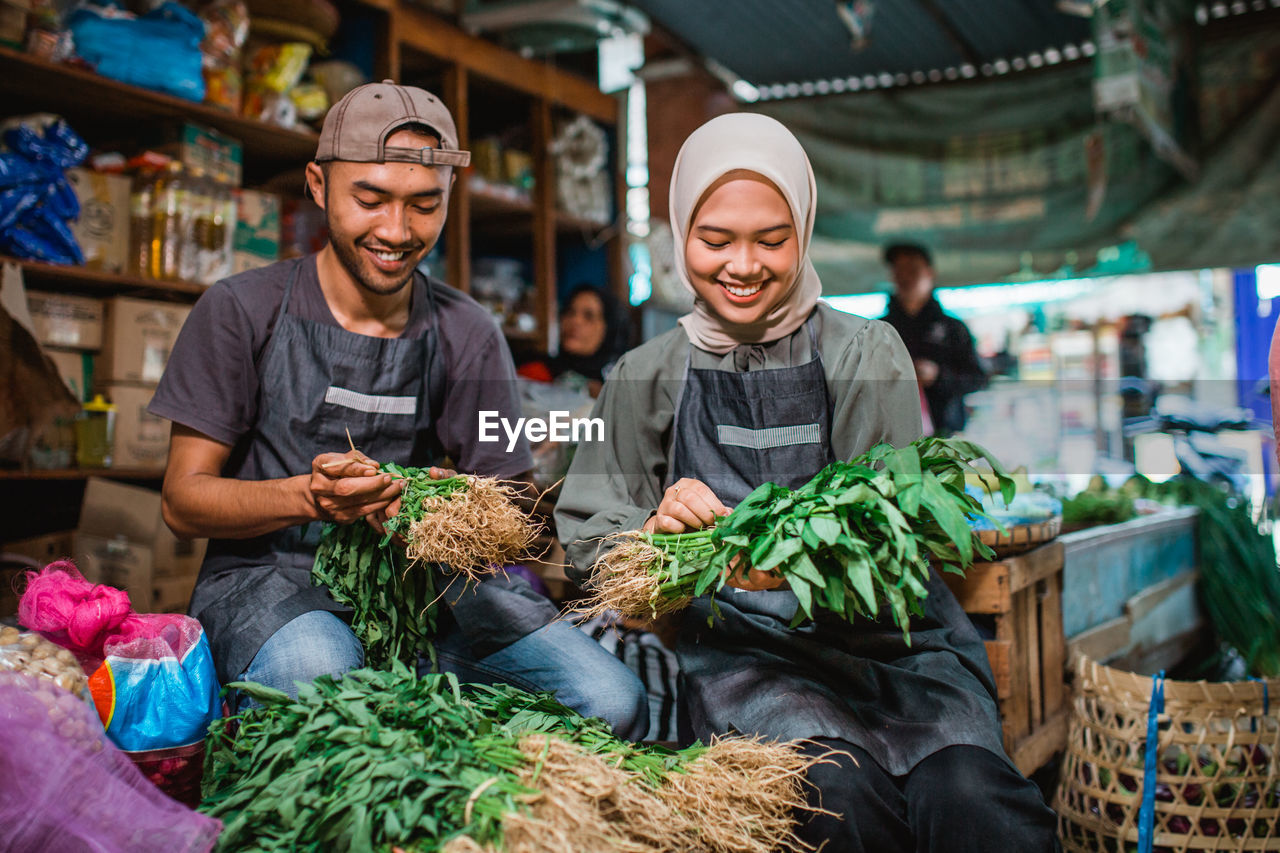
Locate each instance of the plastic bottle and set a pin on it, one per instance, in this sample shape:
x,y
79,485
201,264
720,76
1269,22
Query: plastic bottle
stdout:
x,y
141,203
166,222
219,233
193,222
95,433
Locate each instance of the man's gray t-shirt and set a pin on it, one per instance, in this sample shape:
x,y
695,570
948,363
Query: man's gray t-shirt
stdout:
x,y
212,383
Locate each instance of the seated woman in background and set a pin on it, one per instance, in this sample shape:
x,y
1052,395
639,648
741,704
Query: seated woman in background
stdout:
x,y
593,333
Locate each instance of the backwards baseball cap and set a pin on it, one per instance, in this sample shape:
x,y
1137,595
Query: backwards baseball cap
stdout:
x,y
357,127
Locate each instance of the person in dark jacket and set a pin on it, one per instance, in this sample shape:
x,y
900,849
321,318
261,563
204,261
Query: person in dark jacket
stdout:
x,y
941,347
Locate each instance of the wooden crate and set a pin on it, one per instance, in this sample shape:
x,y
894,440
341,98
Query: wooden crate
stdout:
x,y
1028,655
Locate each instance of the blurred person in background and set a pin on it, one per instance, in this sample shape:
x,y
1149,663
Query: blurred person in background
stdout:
x,y
593,333
941,347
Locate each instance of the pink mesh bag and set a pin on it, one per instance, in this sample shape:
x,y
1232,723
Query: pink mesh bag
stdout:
x,y
65,788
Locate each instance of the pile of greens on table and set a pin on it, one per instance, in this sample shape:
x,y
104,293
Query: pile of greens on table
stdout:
x,y
381,759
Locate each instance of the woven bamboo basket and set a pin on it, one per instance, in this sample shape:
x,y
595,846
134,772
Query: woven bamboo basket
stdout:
x,y
1217,780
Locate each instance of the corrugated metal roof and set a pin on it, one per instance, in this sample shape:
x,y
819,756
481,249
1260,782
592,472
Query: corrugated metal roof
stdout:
x,y
768,42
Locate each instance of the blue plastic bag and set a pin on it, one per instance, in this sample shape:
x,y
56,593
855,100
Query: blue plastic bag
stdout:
x,y
159,51
156,688
36,201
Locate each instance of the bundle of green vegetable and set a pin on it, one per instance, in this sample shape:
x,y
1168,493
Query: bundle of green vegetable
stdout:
x,y
1096,505
856,539
464,524
385,758
393,613
469,524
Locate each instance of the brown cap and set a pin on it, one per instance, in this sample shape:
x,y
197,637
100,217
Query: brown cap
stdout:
x,y
357,127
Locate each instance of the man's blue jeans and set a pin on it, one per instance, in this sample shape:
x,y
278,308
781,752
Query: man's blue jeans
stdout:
x,y
557,658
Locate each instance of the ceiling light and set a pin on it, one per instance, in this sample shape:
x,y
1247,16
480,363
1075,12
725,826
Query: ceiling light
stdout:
x,y
744,91
1080,8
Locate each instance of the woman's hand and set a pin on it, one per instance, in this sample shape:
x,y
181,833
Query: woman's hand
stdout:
x,y
687,505
691,505
752,579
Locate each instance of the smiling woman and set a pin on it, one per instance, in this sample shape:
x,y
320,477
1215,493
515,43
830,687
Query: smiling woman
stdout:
x,y
762,384
742,257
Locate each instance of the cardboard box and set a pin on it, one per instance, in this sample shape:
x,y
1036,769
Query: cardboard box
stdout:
x,y
111,508
60,320
257,241
173,595
139,334
43,549
141,438
115,561
197,147
76,369
103,227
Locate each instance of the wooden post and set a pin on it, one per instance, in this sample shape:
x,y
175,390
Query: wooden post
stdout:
x,y
544,225
458,225
386,60
617,247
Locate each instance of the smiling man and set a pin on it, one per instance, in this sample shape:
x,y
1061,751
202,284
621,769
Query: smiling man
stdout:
x,y
276,367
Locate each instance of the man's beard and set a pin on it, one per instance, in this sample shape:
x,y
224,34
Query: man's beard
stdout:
x,y
349,255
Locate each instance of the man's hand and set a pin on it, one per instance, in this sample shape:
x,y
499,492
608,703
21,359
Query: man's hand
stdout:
x,y
347,486
378,518
926,371
687,505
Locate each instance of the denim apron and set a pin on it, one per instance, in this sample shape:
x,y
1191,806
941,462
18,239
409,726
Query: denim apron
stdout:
x,y
748,671
318,381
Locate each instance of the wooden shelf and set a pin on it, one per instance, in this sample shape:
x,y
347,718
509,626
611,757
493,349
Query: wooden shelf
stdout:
x,y
35,275
489,200
513,334
420,30
78,94
82,473
567,223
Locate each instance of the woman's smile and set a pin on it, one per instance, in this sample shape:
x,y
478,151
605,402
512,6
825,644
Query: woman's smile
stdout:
x,y
743,293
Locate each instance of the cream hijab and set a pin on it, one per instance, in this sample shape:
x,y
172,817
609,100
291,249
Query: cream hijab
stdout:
x,y
759,144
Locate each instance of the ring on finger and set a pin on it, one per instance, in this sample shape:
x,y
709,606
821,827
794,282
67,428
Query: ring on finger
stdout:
x,y
676,492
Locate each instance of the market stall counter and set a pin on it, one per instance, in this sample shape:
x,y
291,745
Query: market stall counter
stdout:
x,y
1129,590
